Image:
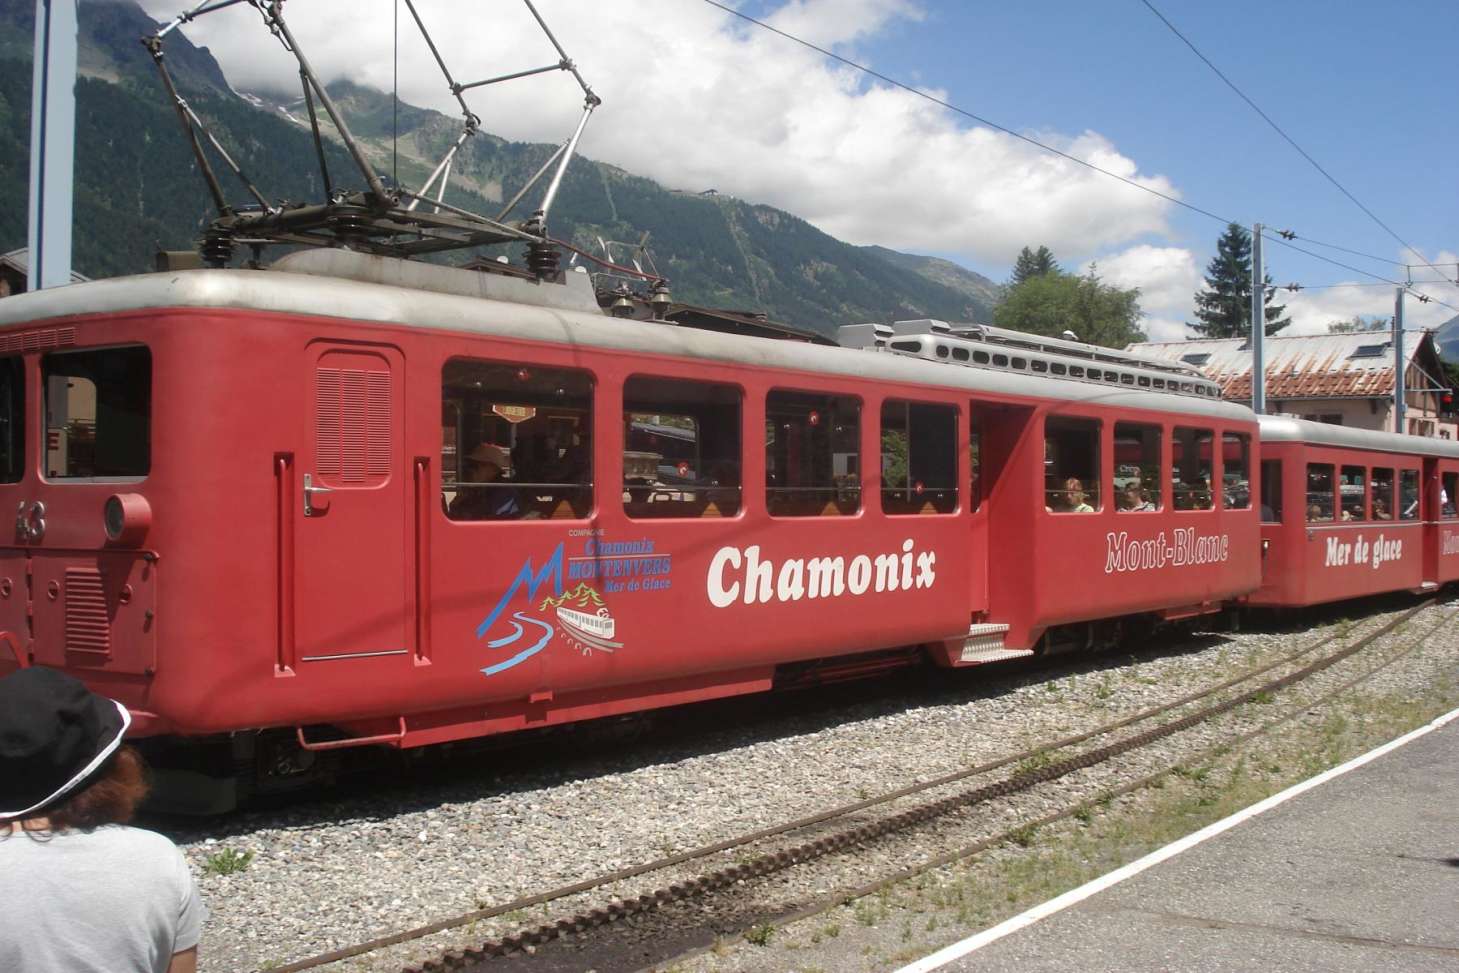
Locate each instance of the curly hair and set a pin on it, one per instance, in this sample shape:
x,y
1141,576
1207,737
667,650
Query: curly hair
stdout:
x,y
111,797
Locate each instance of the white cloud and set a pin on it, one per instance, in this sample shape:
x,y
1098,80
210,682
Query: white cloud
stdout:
x,y
695,98
1167,278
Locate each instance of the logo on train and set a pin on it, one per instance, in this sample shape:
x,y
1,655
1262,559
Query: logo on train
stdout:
x,y
1376,553
1183,548
577,616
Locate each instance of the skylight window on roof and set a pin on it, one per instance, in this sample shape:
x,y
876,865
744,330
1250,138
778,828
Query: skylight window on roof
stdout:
x,y
1371,351
1197,359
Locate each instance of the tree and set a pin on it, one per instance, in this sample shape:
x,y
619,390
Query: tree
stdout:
x,y
1359,322
1050,304
1033,263
1223,305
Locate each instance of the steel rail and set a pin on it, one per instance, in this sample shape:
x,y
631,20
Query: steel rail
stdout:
x,y
817,848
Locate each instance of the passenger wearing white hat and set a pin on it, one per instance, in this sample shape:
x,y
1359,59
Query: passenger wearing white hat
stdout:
x,y
82,891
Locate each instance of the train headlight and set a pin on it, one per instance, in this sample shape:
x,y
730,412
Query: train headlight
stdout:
x,y
127,517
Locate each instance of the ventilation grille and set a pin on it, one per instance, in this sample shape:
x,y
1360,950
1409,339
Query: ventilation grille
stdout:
x,y
352,410
36,340
87,628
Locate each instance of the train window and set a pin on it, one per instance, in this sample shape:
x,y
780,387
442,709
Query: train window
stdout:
x,y
1076,371
1127,379
1271,491
812,454
1320,494
919,452
1143,381
1057,368
1071,465
516,441
980,357
1448,494
1382,494
1000,361
1191,470
98,412
1408,495
1159,383
12,419
681,448
1039,365
960,354
942,351
1020,363
1235,471
1137,468
1354,493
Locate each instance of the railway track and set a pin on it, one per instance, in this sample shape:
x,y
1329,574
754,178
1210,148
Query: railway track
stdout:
x,y
815,837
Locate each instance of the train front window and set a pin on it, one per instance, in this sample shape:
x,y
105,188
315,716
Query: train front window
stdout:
x,y
12,419
98,413
1137,476
1071,466
812,454
919,450
1408,496
516,441
681,455
1382,494
1354,493
1191,469
1320,494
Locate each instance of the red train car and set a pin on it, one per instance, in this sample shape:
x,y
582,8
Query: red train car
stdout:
x,y
353,499
1354,512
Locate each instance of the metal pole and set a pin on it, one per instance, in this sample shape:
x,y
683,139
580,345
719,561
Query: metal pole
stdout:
x,y
1258,324
52,143
1399,364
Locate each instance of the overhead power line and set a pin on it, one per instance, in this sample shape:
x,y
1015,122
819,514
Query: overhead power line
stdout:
x,y
1292,142
1286,242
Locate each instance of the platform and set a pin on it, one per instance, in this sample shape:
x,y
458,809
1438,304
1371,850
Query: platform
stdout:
x,y
1358,872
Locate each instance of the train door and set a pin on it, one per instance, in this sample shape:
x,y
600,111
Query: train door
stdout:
x,y
978,485
351,542
1429,516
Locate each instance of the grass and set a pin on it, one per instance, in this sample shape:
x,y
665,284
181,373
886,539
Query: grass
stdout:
x,y
227,862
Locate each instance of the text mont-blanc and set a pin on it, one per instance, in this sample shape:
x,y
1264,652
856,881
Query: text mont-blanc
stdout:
x,y
1183,547
743,575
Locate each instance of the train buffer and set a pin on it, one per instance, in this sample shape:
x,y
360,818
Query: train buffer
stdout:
x,y
1357,872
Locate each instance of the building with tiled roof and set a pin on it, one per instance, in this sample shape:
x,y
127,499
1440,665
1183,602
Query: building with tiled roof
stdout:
x,y
1344,379
15,269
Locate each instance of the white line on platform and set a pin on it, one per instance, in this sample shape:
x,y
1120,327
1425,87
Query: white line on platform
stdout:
x,y
1074,896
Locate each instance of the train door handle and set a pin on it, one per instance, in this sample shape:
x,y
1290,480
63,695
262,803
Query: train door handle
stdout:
x,y
309,490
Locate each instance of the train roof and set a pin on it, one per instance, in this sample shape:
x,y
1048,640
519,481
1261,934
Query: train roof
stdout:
x,y
387,291
1289,429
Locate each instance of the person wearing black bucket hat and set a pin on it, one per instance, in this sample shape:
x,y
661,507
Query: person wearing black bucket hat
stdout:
x,y
82,891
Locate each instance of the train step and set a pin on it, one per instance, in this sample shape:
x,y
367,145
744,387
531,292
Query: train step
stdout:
x,y
984,643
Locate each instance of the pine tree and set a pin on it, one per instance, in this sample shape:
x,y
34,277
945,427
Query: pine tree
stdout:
x,y
1032,263
1223,305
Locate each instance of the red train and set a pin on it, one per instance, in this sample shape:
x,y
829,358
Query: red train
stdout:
x,y
352,500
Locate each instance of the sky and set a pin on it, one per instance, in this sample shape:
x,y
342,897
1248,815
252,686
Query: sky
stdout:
x,y
697,98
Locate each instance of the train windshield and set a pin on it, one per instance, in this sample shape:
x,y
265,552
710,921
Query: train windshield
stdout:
x,y
12,419
98,413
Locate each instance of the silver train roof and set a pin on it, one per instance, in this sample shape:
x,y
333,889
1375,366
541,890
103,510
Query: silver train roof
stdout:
x,y
1288,429
381,290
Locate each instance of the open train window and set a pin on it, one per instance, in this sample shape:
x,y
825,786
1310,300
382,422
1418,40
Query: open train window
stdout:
x,y
1271,491
516,441
1448,495
1137,476
1408,495
98,412
1191,469
12,419
812,454
1320,494
681,454
1353,492
975,457
1235,471
1071,465
919,452
1382,494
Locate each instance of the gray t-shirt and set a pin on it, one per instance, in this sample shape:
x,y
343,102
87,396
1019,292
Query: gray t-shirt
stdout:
x,y
113,900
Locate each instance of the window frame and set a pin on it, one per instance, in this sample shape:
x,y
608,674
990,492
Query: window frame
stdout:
x,y
1096,479
1278,511
14,445
1344,471
1158,500
843,502
43,418
716,493
1212,471
1407,475
1449,484
1374,496
955,450
1332,493
1244,441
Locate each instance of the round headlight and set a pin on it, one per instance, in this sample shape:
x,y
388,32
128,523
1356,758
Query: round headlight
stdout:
x,y
127,517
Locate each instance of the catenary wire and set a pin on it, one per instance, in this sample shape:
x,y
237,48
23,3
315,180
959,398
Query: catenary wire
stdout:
x,y
1290,141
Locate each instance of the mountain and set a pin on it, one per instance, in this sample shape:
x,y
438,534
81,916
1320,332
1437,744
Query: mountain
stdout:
x,y
138,189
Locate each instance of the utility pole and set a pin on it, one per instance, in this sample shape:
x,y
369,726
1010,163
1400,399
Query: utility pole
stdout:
x,y
1399,364
52,143
1258,324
